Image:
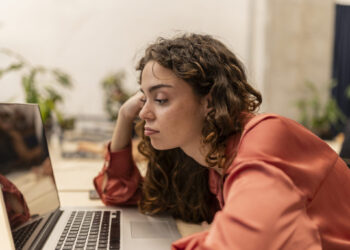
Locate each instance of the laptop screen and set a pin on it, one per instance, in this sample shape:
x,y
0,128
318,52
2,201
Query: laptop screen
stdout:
x,y
26,175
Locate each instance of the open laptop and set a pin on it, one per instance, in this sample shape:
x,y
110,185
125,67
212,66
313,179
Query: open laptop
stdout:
x,y
37,221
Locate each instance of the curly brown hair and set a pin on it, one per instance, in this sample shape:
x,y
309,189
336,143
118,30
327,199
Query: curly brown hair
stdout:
x,y
174,182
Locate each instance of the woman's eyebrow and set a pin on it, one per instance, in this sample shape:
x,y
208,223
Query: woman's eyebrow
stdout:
x,y
158,86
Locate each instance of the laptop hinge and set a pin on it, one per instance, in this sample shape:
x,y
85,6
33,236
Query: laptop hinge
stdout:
x,y
40,240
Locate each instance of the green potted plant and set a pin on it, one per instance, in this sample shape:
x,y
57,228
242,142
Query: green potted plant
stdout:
x,y
41,85
319,116
114,94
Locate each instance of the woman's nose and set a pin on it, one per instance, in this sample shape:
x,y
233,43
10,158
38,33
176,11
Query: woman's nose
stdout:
x,y
146,112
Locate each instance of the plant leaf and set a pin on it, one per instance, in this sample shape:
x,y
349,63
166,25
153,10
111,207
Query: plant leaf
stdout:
x,y
53,94
62,78
15,66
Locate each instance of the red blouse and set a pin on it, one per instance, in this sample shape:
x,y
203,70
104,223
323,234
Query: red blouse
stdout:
x,y
285,189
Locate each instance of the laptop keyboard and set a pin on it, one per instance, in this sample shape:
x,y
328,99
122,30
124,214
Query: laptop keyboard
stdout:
x,y
21,236
91,230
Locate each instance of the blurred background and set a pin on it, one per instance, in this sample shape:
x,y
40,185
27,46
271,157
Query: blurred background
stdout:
x,y
76,58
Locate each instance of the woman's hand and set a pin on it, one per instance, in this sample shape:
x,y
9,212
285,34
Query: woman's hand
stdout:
x,y
123,129
131,108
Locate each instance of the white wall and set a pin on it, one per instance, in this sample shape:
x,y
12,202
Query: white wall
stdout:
x,y
298,49
89,39
342,2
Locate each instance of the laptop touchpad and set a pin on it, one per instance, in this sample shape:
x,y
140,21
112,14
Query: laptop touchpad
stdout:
x,y
143,229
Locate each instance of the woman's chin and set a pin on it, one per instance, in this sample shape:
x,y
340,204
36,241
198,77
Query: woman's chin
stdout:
x,y
159,146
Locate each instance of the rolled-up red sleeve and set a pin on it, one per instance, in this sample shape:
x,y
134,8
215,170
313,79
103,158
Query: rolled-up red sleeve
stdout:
x,y
263,210
118,183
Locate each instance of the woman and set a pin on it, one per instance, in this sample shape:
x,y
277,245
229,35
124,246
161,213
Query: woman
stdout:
x,y
261,180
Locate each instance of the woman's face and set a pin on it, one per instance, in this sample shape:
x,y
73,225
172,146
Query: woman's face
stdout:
x,y
173,114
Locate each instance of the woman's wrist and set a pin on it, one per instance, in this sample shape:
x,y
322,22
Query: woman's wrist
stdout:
x,y
126,115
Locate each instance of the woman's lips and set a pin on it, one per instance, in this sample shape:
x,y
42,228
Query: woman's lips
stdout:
x,y
149,131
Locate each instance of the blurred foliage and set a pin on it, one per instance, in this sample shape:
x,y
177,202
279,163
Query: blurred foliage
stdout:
x,y
40,85
114,94
317,115
347,92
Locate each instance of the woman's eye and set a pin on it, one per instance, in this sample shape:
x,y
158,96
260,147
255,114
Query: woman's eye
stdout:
x,y
161,101
143,100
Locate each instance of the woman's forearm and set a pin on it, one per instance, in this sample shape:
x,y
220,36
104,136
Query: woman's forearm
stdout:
x,y
122,133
